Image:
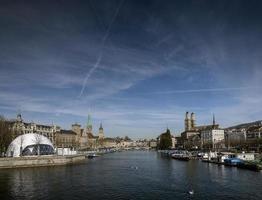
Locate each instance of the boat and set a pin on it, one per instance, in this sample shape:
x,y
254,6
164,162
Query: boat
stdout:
x,y
90,156
180,156
233,161
255,165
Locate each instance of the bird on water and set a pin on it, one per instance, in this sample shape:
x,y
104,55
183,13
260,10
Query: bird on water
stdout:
x,y
191,192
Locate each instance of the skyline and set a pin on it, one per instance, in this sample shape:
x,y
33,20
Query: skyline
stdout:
x,y
135,66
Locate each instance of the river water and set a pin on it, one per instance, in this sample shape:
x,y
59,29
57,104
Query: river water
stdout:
x,y
131,175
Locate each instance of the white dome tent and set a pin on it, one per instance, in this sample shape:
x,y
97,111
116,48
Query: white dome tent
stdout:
x,y
30,144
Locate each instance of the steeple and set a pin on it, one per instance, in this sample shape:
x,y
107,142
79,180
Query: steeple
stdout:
x,y
19,117
89,124
214,121
89,120
101,127
187,122
193,120
101,132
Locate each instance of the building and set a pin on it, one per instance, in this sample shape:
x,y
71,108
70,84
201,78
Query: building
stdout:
x,y
190,127
153,144
245,136
76,138
84,137
192,135
20,127
126,143
254,132
101,135
67,142
89,127
66,139
193,142
212,138
191,132
190,122
253,138
235,137
109,143
177,142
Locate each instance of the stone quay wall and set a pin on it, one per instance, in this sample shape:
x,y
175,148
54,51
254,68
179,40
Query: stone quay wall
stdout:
x,y
38,161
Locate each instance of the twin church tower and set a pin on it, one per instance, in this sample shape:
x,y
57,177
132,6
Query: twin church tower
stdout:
x,y
190,122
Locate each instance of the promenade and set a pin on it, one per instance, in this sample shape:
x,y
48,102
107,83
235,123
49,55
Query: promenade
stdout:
x,y
39,161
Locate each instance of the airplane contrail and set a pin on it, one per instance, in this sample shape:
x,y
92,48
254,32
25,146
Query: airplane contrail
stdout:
x,y
90,73
203,90
99,58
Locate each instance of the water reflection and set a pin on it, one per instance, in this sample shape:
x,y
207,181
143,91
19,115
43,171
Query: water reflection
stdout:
x,y
131,175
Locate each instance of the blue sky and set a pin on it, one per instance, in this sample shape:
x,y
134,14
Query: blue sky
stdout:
x,y
135,66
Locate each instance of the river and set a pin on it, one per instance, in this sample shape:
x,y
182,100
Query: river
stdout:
x,y
131,175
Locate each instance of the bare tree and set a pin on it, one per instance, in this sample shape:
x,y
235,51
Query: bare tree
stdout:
x,y
38,140
6,135
21,144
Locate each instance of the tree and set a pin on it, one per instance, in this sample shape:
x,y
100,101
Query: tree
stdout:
x,y
165,140
38,140
126,138
6,135
21,144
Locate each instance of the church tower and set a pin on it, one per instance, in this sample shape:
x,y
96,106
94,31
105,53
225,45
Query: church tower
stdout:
x,y
193,121
19,118
214,121
89,125
187,122
101,132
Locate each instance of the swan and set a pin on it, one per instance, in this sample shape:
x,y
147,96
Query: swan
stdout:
x,y
191,192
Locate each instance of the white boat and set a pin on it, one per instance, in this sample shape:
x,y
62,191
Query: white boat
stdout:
x,y
180,156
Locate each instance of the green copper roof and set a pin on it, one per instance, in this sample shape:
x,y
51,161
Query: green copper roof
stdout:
x,y
89,124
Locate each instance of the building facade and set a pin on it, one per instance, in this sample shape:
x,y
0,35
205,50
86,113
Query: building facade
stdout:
x,y
212,138
66,139
76,138
245,137
235,137
19,127
101,135
196,137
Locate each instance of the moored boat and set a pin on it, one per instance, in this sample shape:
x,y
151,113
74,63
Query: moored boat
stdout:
x,y
180,156
233,161
90,156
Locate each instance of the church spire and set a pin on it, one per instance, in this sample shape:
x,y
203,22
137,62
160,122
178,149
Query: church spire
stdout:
x,y
19,117
214,120
89,124
89,120
101,134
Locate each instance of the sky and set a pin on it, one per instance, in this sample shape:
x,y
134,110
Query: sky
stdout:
x,y
136,66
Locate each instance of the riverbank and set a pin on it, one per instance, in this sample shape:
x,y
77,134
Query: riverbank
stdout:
x,y
255,165
39,161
